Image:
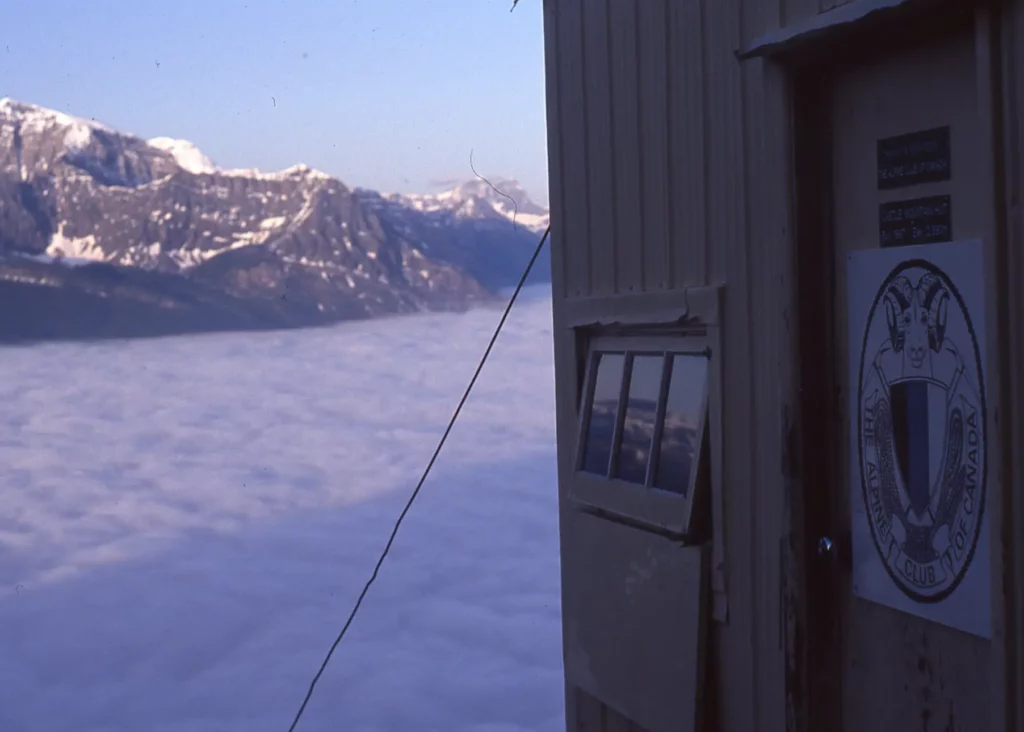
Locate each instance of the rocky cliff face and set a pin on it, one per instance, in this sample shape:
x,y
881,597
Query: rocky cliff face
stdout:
x,y
105,234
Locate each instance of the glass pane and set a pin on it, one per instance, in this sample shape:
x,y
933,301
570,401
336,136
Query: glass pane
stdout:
x,y
598,447
679,437
641,412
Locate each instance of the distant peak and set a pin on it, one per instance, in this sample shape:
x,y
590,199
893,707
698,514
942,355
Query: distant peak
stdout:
x,y
304,171
296,171
33,114
502,198
500,192
185,154
490,187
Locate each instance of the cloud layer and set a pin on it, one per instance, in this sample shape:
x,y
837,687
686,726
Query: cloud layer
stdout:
x,y
186,523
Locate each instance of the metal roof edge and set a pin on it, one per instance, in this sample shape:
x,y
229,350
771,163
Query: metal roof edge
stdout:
x,y
808,28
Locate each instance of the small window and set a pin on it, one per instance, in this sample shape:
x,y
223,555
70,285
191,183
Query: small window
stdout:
x,y
604,407
643,422
641,414
684,416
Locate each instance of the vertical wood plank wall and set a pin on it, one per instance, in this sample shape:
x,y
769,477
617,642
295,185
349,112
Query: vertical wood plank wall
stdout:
x,y
695,191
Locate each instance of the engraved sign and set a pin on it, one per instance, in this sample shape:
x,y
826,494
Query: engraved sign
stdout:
x,y
914,158
918,432
917,221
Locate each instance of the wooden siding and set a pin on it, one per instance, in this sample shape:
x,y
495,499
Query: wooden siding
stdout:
x,y
797,9
693,192
606,650
597,66
670,168
687,155
652,81
594,716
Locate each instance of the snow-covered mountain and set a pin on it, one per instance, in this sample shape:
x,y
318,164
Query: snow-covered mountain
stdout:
x,y
185,154
175,243
504,200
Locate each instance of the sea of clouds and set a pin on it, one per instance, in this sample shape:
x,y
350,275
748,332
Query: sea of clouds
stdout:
x,y
186,522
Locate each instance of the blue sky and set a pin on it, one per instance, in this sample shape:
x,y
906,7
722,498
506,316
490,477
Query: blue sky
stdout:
x,y
388,94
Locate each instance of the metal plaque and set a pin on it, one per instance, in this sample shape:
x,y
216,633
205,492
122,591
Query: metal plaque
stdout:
x,y
917,221
918,157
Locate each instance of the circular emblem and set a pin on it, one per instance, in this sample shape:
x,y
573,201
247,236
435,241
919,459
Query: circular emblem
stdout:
x,y
921,431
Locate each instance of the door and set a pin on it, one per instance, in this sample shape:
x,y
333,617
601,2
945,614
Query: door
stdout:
x,y
875,667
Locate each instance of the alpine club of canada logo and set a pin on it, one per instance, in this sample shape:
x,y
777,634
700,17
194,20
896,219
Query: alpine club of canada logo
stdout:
x,y
921,431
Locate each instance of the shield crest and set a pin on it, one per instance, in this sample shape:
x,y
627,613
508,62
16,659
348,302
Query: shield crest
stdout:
x,y
919,416
919,433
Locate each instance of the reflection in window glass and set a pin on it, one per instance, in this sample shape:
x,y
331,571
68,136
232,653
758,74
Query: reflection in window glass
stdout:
x,y
679,436
607,386
641,412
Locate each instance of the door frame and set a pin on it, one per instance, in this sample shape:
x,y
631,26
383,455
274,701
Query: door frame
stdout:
x,y
815,264
1006,25
811,71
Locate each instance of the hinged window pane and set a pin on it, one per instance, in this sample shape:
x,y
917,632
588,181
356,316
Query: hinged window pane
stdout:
x,y
684,410
641,414
607,386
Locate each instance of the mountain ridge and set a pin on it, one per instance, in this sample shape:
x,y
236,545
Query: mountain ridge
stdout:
x,y
284,249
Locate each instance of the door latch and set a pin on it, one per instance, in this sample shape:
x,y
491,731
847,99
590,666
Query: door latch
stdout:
x,y
827,549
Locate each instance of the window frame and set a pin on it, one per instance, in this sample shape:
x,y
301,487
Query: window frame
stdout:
x,y
646,504
674,311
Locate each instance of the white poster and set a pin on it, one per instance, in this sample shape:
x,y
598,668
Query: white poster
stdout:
x,y
918,432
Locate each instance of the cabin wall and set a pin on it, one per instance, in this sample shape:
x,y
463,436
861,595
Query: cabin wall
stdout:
x,y
794,10
694,191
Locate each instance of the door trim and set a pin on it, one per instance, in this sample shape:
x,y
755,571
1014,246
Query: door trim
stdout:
x,y
1005,529
815,265
1009,20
